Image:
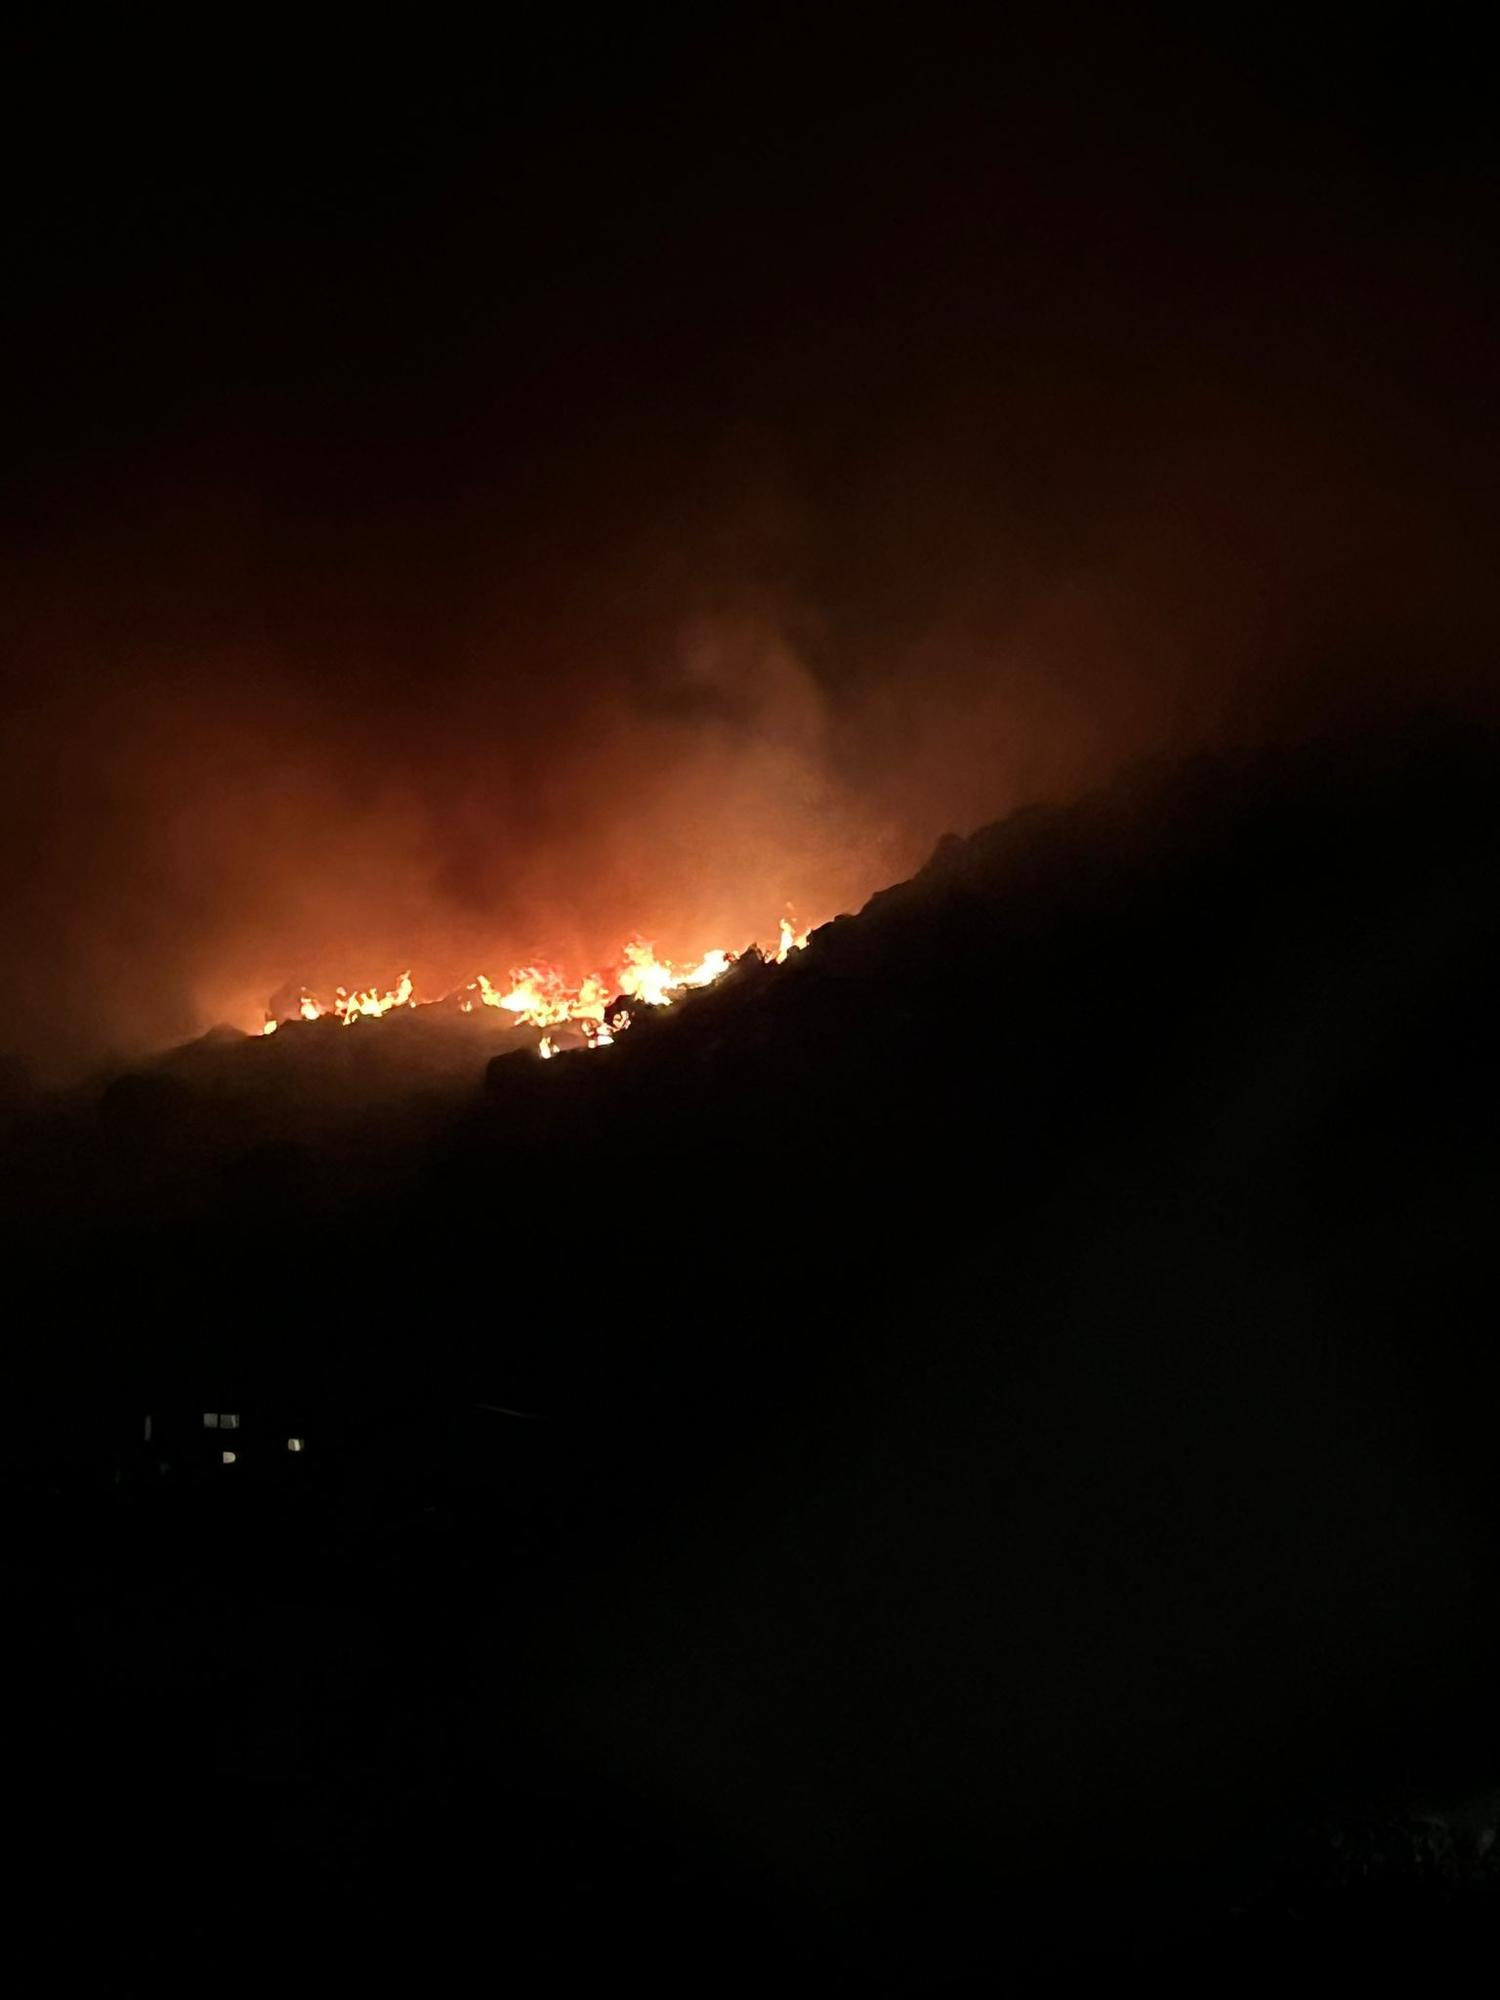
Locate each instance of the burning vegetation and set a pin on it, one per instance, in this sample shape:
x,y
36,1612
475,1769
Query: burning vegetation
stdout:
x,y
542,996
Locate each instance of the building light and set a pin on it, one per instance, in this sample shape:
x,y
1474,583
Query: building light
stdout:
x,y
294,1444
229,1458
229,1423
210,1420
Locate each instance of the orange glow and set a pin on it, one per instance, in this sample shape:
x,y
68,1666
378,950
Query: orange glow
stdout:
x,y
542,996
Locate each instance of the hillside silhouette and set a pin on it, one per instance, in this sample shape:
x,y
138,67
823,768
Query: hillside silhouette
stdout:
x,y
1010,1389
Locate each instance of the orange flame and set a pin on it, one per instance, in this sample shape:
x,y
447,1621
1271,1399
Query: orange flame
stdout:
x,y
540,996
349,1006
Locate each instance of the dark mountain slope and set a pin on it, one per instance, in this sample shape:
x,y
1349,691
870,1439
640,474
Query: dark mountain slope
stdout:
x,y
1017,1379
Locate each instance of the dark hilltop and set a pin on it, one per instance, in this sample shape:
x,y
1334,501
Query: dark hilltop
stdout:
x,y
1004,1473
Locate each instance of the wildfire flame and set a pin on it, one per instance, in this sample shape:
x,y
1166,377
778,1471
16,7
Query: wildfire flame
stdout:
x,y
541,996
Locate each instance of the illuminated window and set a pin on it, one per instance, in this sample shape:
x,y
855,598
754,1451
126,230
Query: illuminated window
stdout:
x,y
229,1423
229,1458
210,1420
294,1444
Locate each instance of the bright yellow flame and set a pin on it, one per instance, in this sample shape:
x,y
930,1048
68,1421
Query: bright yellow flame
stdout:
x,y
350,1006
790,940
540,996
654,980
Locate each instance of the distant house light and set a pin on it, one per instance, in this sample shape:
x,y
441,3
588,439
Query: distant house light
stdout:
x,y
210,1420
229,1458
228,1423
294,1444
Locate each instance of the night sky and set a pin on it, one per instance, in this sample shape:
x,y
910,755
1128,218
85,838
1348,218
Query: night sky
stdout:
x,y
466,499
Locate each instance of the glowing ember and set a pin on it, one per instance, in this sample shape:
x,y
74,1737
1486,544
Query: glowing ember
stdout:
x,y
540,996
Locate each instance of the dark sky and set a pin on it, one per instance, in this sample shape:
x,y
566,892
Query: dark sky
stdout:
x,y
470,499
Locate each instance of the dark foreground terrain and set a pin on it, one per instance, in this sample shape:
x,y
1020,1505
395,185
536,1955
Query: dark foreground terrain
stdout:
x,y
1008,1484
